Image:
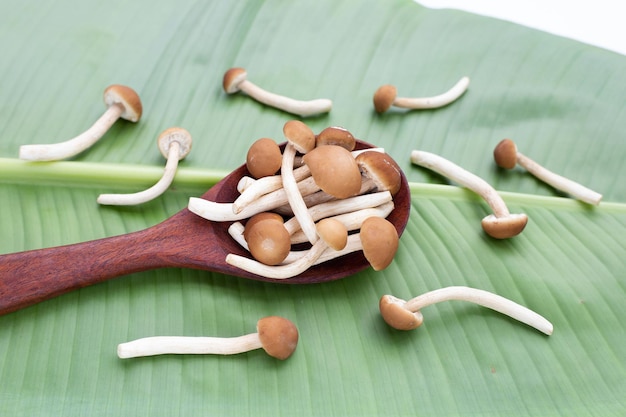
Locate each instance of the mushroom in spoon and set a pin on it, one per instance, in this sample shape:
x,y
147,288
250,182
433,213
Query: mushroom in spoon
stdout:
x,y
185,240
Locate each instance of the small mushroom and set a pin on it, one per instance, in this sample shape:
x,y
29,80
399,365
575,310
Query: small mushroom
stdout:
x,y
381,169
278,336
501,224
334,170
380,242
336,135
334,233
268,240
507,156
300,138
236,79
387,96
406,315
121,101
263,158
174,144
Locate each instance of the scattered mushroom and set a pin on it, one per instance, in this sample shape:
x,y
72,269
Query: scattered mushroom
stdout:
x,y
507,156
174,144
406,315
121,101
235,79
386,96
278,336
501,224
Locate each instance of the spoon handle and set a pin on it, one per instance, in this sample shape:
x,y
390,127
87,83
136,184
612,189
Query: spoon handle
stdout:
x,y
29,277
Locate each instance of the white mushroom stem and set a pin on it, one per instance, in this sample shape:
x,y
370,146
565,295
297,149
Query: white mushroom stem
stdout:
x,y
281,271
290,105
294,197
485,299
74,146
151,193
160,345
335,207
222,212
463,177
559,182
436,101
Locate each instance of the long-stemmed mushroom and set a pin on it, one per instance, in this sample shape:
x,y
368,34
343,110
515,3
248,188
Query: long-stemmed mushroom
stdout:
x,y
406,315
507,156
387,96
278,336
174,144
236,79
121,101
501,224
300,138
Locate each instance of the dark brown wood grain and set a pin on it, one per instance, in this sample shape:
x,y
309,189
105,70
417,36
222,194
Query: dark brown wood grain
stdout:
x,y
182,241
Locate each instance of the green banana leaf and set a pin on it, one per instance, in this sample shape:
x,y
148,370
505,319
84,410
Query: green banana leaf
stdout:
x,y
561,101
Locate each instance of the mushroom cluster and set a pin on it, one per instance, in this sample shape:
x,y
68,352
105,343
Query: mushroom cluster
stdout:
x,y
318,193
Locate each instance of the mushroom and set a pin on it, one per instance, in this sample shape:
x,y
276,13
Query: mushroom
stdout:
x,y
406,315
501,224
300,138
278,336
268,240
263,158
121,101
174,144
379,238
336,135
334,233
386,96
334,170
235,79
380,168
507,156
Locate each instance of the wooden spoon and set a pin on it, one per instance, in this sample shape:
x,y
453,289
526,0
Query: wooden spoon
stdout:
x,y
185,240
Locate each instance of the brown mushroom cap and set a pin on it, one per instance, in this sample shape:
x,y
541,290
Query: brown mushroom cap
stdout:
x,y
397,316
278,336
333,232
382,169
264,158
335,135
268,241
299,135
127,97
504,227
175,134
505,154
384,97
232,78
334,170
265,215
380,240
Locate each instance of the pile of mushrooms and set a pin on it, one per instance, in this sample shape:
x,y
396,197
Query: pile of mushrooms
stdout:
x,y
319,191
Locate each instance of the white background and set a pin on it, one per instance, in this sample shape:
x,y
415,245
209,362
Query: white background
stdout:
x,y
596,22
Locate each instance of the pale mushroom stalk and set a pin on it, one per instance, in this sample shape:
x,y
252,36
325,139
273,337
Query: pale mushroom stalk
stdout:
x,y
278,336
161,345
121,101
235,79
436,101
297,204
485,299
174,144
501,224
506,156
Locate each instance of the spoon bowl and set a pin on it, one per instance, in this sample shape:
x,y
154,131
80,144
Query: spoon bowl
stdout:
x,y
184,240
